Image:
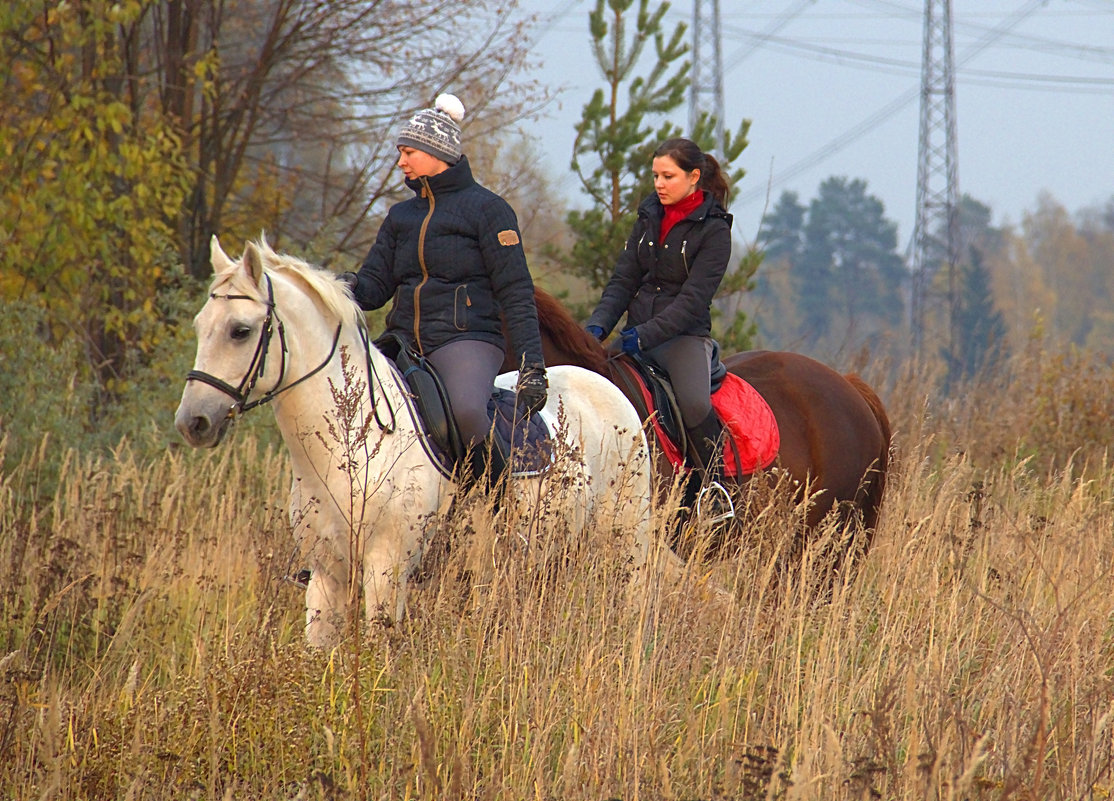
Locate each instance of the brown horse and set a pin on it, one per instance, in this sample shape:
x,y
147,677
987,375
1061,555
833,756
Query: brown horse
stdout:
x,y
835,435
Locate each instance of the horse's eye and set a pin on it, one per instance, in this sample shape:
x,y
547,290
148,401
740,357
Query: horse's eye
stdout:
x,y
241,332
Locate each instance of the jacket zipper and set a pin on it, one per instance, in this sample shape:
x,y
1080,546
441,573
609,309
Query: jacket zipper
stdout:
x,y
428,193
684,258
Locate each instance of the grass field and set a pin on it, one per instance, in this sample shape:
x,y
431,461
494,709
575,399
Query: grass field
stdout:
x,y
151,650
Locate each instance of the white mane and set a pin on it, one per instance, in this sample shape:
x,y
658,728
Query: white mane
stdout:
x,y
318,281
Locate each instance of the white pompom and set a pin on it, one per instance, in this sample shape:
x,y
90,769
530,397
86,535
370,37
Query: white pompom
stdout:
x,y
451,105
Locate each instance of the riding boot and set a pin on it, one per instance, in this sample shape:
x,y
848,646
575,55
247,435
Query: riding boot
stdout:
x,y
484,468
713,502
497,460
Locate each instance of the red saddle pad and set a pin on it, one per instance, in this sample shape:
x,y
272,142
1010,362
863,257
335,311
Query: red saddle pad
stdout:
x,y
750,423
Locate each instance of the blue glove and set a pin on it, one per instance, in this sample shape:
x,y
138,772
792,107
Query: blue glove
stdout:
x,y
630,341
595,330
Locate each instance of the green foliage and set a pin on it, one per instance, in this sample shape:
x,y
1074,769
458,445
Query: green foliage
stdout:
x,y
843,276
615,138
42,395
91,190
50,401
978,327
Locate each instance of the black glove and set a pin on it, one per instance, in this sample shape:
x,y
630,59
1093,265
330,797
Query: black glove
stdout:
x,y
530,389
351,279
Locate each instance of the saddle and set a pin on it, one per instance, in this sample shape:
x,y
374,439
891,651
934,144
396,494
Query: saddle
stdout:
x,y
661,401
752,439
529,442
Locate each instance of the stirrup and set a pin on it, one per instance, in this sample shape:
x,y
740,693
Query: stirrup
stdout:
x,y
299,579
715,500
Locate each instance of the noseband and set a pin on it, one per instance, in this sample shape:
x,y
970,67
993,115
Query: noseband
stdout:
x,y
239,394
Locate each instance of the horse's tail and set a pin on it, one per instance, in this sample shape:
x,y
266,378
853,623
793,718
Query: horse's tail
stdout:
x,y
874,484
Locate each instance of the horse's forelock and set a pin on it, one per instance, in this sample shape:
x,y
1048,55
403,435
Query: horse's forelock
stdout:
x,y
223,278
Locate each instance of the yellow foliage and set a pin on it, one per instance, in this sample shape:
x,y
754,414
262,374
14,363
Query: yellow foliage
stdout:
x,y
91,190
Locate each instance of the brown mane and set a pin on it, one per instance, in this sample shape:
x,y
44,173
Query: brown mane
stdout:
x,y
577,345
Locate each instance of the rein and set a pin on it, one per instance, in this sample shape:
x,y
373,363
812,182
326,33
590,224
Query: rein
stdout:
x,y
259,361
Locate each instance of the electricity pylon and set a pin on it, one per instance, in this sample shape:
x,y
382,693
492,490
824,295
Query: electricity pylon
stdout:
x,y
706,96
936,235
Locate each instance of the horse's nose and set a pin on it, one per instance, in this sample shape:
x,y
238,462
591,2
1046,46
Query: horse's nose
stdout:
x,y
193,428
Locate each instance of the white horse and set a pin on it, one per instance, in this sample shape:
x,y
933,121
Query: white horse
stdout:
x,y
366,490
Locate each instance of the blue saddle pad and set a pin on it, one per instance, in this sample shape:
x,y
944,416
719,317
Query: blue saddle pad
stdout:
x,y
528,441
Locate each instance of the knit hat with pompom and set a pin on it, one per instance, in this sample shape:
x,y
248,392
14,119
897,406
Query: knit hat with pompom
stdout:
x,y
435,130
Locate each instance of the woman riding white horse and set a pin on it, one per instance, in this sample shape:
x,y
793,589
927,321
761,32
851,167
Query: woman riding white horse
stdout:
x,y
366,491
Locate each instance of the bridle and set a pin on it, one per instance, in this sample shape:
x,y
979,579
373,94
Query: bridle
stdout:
x,y
240,394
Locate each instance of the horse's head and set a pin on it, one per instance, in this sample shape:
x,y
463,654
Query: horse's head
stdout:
x,y
234,331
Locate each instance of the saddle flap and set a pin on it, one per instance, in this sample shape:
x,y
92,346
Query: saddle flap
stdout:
x,y
429,395
752,438
662,401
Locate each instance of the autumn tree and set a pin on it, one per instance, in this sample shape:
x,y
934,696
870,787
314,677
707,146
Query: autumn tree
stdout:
x,y
1055,268
288,110
90,185
134,131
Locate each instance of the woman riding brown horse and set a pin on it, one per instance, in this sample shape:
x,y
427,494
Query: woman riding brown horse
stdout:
x,y
835,435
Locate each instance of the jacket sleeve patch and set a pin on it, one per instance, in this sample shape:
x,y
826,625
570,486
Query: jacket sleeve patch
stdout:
x,y
508,237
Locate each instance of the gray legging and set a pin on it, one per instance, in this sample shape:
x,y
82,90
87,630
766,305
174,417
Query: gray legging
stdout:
x,y
468,368
687,360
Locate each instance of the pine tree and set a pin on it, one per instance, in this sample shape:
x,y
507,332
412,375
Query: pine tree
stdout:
x,y
980,329
849,275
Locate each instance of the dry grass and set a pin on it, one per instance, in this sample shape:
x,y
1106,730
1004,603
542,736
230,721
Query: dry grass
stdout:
x,y
150,649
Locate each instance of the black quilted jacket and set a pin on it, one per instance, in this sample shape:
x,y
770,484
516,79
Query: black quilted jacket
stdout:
x,y
450,258
666,288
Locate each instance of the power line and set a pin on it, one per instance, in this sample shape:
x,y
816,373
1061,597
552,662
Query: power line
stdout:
x,y
880,116
777,25
853,59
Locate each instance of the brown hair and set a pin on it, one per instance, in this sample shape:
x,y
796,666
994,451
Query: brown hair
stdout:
x,y
690,157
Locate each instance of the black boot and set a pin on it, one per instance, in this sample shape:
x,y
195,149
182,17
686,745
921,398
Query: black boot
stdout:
x,y
713,502
484,466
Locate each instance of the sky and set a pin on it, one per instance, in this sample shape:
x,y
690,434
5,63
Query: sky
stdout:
x,y
832,89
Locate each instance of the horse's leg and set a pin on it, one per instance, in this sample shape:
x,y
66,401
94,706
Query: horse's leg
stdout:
x,y
327,591
388,562
326,601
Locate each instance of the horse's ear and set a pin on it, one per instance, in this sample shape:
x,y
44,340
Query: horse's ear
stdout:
x,y
253,263
217,257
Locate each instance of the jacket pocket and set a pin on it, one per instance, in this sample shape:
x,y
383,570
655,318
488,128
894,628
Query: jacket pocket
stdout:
x,y
393,312
461,302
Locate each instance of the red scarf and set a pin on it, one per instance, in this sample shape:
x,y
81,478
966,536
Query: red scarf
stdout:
x,y
679,210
